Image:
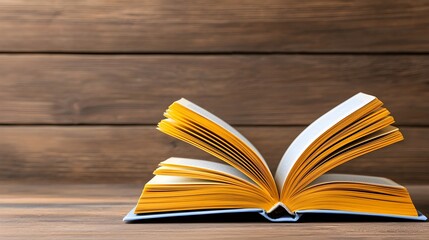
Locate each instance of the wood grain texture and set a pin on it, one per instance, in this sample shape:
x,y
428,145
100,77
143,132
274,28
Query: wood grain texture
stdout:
x,y
241,89
130,154
95,212
220,26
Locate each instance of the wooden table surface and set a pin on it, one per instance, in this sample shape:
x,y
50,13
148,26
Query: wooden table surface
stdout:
x,y
93,211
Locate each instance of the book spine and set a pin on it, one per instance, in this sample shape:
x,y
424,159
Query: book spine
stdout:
x,y
281,218
280,206
280,212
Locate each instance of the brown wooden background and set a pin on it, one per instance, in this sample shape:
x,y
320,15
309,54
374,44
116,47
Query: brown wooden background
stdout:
x,y
83,83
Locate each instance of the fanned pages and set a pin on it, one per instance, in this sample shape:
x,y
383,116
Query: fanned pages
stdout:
x,y
185,187
192,124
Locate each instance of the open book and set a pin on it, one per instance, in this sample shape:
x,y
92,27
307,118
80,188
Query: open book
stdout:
x,y
185,187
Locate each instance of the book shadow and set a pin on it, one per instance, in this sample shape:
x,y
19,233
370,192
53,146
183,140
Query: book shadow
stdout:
x,y
255,217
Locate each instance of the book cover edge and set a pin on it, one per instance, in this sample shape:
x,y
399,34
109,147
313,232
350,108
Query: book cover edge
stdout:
x,y
131,216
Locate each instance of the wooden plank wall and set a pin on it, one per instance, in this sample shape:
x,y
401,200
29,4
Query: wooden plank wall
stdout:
x,y
83,83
